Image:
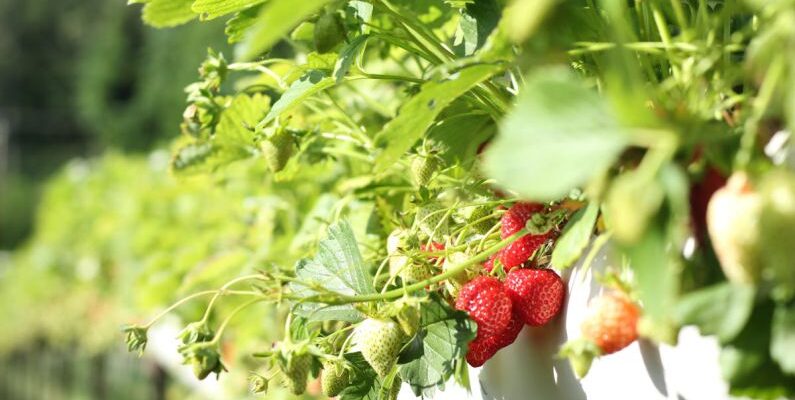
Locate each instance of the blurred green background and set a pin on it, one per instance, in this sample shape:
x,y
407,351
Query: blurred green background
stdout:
x,y
81,78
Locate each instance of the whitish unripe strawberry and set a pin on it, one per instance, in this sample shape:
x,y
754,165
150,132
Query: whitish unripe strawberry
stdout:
x,y
430,220
733,223
335,378
380,342
296,371
276,148
423,167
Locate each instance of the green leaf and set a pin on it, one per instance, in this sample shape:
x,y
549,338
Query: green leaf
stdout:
x,y
300,90
337,267
462,135
276,19
365,384
417,115
204,157
445,334
239,118
348,56
210,9
559,135
168,13
721,310
782,345
575,237
478,20
746,363
523,17
655,273
237,26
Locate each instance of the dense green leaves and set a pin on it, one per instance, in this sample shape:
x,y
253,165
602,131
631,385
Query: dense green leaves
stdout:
x,y
417,115
559,135
337,267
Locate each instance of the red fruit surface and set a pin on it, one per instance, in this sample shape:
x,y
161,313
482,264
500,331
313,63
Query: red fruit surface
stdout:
x,y
611,322
516,217
435,246
489,264
481,350
487,303
509,335
537,294
516,253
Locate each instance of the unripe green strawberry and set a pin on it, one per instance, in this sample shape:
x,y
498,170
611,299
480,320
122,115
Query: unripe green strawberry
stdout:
x,y
733,223
429,220
277,147
423,167
476,215
335,378
409,320
380,342
296,372
328,32
402,265
777,221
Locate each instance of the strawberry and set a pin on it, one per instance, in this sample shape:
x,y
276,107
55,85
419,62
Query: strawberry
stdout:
x,y
733,222
277,147
537,294
380,342
523,248
611,322
489,264
296,371
433,247
516,253
700,194
511,332
485,300
516,217
423,167
481,350
478,218
335,378
429,220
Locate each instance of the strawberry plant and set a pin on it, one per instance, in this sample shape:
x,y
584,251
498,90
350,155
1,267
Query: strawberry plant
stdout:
x,y
425,164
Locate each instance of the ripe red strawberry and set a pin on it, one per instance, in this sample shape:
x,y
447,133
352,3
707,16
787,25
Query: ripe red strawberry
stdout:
x,y
611,322
485,300
523,248
434,246
509,335
516,253
537,294
481,350
489,264
516,217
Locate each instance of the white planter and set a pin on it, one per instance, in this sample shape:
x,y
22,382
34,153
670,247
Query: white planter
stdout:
x,y
529,368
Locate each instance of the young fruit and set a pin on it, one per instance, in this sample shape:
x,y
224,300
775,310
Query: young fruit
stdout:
x,y
611,322
423,167
296,371
380,342
335,377
328,32
733,222
485,300
277,148
429,219
777,221
537,294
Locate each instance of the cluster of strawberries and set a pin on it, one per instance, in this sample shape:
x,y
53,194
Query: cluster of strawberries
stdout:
x,y
529,296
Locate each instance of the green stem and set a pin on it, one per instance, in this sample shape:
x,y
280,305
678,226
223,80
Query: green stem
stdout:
x,y
220,292
191,297
234,312
396,293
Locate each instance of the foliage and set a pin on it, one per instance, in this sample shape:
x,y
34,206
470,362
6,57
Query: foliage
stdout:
x,y
609,114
